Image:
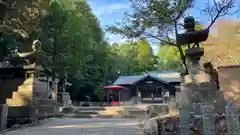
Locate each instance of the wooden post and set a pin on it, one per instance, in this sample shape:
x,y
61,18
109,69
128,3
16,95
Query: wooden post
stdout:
x,y
107,97
138,98
119,96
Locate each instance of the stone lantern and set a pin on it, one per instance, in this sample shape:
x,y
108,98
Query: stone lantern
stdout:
x,y
199,97
196,84
192,38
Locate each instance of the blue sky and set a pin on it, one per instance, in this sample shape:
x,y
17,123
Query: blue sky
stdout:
x,y
111,11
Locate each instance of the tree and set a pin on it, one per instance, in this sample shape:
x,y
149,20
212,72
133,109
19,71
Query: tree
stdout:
x,y
156,19
128,52
49,31
146,59
21,18
79,50
168,58
25,15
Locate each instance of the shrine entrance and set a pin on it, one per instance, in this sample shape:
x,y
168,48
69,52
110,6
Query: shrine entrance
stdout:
x,y
151,92
113,94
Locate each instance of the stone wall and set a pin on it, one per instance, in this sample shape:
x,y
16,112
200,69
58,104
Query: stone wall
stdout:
x,y
229,77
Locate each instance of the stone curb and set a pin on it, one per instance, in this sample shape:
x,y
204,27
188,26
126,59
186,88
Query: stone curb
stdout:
x,y
100,116
24,126
19,127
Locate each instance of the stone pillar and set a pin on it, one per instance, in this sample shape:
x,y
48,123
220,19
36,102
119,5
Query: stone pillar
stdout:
x,y
66,99
35,114
232,119
3,116
54,89
208,119
184,119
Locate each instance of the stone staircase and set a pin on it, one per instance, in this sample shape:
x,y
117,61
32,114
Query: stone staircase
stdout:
x,y
23,95
22,103
133,112
107,112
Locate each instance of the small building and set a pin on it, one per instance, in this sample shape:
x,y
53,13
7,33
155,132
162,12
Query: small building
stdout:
x,y
151,87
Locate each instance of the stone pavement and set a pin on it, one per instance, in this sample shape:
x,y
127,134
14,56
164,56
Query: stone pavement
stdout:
x,y
70,126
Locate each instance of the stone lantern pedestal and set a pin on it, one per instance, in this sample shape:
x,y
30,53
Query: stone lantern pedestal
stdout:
x,y
198,95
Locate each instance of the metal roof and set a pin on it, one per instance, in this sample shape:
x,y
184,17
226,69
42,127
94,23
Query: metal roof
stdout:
x,y
167,76
128,79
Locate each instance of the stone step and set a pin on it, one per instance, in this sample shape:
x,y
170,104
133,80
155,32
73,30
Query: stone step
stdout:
x,y
138,112
16,94
22,94
105,116
29,81
45,102
67,110
151,101
89,116
84,116
87,112
16,102
131,117
24,88
90,108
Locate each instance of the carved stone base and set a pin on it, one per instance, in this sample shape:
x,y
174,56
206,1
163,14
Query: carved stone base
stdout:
x,y
202,92
65,99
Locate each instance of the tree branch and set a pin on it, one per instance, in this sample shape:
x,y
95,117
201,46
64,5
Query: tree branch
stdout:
x,y
215,4
219,11
161,40
183,57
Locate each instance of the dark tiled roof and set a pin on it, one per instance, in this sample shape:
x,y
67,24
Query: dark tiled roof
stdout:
x,y
166,76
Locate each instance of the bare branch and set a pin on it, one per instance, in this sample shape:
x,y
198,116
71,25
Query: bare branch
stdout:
x,y
231,13
168,38
160,39
215,4
221,12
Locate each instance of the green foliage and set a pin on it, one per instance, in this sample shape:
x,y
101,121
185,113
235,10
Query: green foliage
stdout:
x,y
25,14
22,17
130,58
154,19
146,59
168,58
74,37
159,15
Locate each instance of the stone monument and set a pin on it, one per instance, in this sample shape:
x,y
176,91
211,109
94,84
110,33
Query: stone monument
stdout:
x,y
63,96
34,58
24,83
197,83
32,65
198,91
